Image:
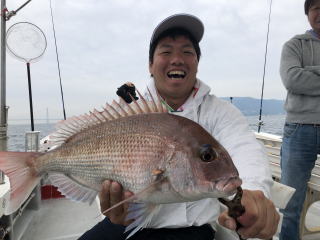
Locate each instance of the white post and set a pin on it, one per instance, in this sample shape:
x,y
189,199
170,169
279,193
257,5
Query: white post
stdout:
x,y
32,144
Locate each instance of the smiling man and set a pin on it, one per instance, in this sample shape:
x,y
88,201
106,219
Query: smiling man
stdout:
x,y
174,55
174,65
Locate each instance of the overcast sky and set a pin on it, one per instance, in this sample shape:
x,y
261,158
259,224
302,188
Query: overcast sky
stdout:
x,y
104,43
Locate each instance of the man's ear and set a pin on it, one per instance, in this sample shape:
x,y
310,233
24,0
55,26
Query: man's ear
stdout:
x,y
150,68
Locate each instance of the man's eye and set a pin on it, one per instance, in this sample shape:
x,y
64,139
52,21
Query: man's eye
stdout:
x,y
189,52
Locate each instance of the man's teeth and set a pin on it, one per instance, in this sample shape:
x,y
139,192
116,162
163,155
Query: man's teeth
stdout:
x,y
176,74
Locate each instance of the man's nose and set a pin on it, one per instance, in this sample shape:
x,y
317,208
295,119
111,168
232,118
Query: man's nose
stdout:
x,y
177,59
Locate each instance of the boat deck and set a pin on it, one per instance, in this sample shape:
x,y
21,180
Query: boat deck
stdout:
x,y
61,219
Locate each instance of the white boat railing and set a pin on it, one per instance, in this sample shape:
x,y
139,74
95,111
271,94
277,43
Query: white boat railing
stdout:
x,y
272,144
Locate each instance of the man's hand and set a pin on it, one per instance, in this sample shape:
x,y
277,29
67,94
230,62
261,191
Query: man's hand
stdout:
x,y
111,194
260,219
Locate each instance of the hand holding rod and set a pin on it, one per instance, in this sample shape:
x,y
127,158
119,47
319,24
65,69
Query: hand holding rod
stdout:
x,y
235,208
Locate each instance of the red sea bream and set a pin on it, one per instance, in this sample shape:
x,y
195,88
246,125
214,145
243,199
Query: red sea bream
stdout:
x,y
160,157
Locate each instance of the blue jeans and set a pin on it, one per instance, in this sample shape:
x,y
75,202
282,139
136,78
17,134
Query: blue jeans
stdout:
x,y
300,146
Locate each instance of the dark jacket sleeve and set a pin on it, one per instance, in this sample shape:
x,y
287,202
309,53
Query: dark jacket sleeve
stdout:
x,y
105,230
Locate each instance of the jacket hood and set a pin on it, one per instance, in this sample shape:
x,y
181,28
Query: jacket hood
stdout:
x,y
306,36
193,101
191,107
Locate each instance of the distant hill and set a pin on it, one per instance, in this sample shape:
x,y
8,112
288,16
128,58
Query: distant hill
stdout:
x,y
251,106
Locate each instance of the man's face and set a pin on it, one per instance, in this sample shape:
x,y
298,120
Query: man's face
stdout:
x,y
314,16
174,67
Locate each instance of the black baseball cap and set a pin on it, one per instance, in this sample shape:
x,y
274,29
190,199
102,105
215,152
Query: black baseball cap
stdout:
x,y
186,21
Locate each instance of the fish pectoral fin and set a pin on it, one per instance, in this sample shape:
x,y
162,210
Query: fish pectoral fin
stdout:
x,y
132,198
72,188
139,195
142,214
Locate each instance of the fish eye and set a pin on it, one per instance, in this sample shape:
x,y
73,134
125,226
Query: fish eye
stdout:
x,y
207,153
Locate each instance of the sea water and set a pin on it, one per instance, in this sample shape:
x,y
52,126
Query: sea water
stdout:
x,y
16,132
270,123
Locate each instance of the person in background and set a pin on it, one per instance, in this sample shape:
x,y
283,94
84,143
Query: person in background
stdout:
x,y
300,74
174,55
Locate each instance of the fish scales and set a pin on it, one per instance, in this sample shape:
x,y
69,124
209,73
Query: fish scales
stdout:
x,y
126,150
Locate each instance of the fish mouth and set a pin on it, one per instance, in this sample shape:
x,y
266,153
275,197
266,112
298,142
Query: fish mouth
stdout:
x,y
228,185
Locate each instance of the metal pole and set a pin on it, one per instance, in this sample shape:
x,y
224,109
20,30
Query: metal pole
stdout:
x,y
3,111
30,96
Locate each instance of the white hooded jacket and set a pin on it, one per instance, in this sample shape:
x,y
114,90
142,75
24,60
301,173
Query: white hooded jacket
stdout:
x,y
226,124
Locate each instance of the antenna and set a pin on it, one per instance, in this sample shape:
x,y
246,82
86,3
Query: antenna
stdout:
x,y
47,116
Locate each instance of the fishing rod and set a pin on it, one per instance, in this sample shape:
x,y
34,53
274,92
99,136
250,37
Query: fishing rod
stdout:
x,y
58,62
260,123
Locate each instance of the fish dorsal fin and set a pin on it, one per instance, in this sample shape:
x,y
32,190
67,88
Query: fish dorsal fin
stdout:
x,y
71,126
72,189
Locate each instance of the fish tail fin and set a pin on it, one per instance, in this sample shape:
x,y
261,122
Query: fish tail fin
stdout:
x,y
19,167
